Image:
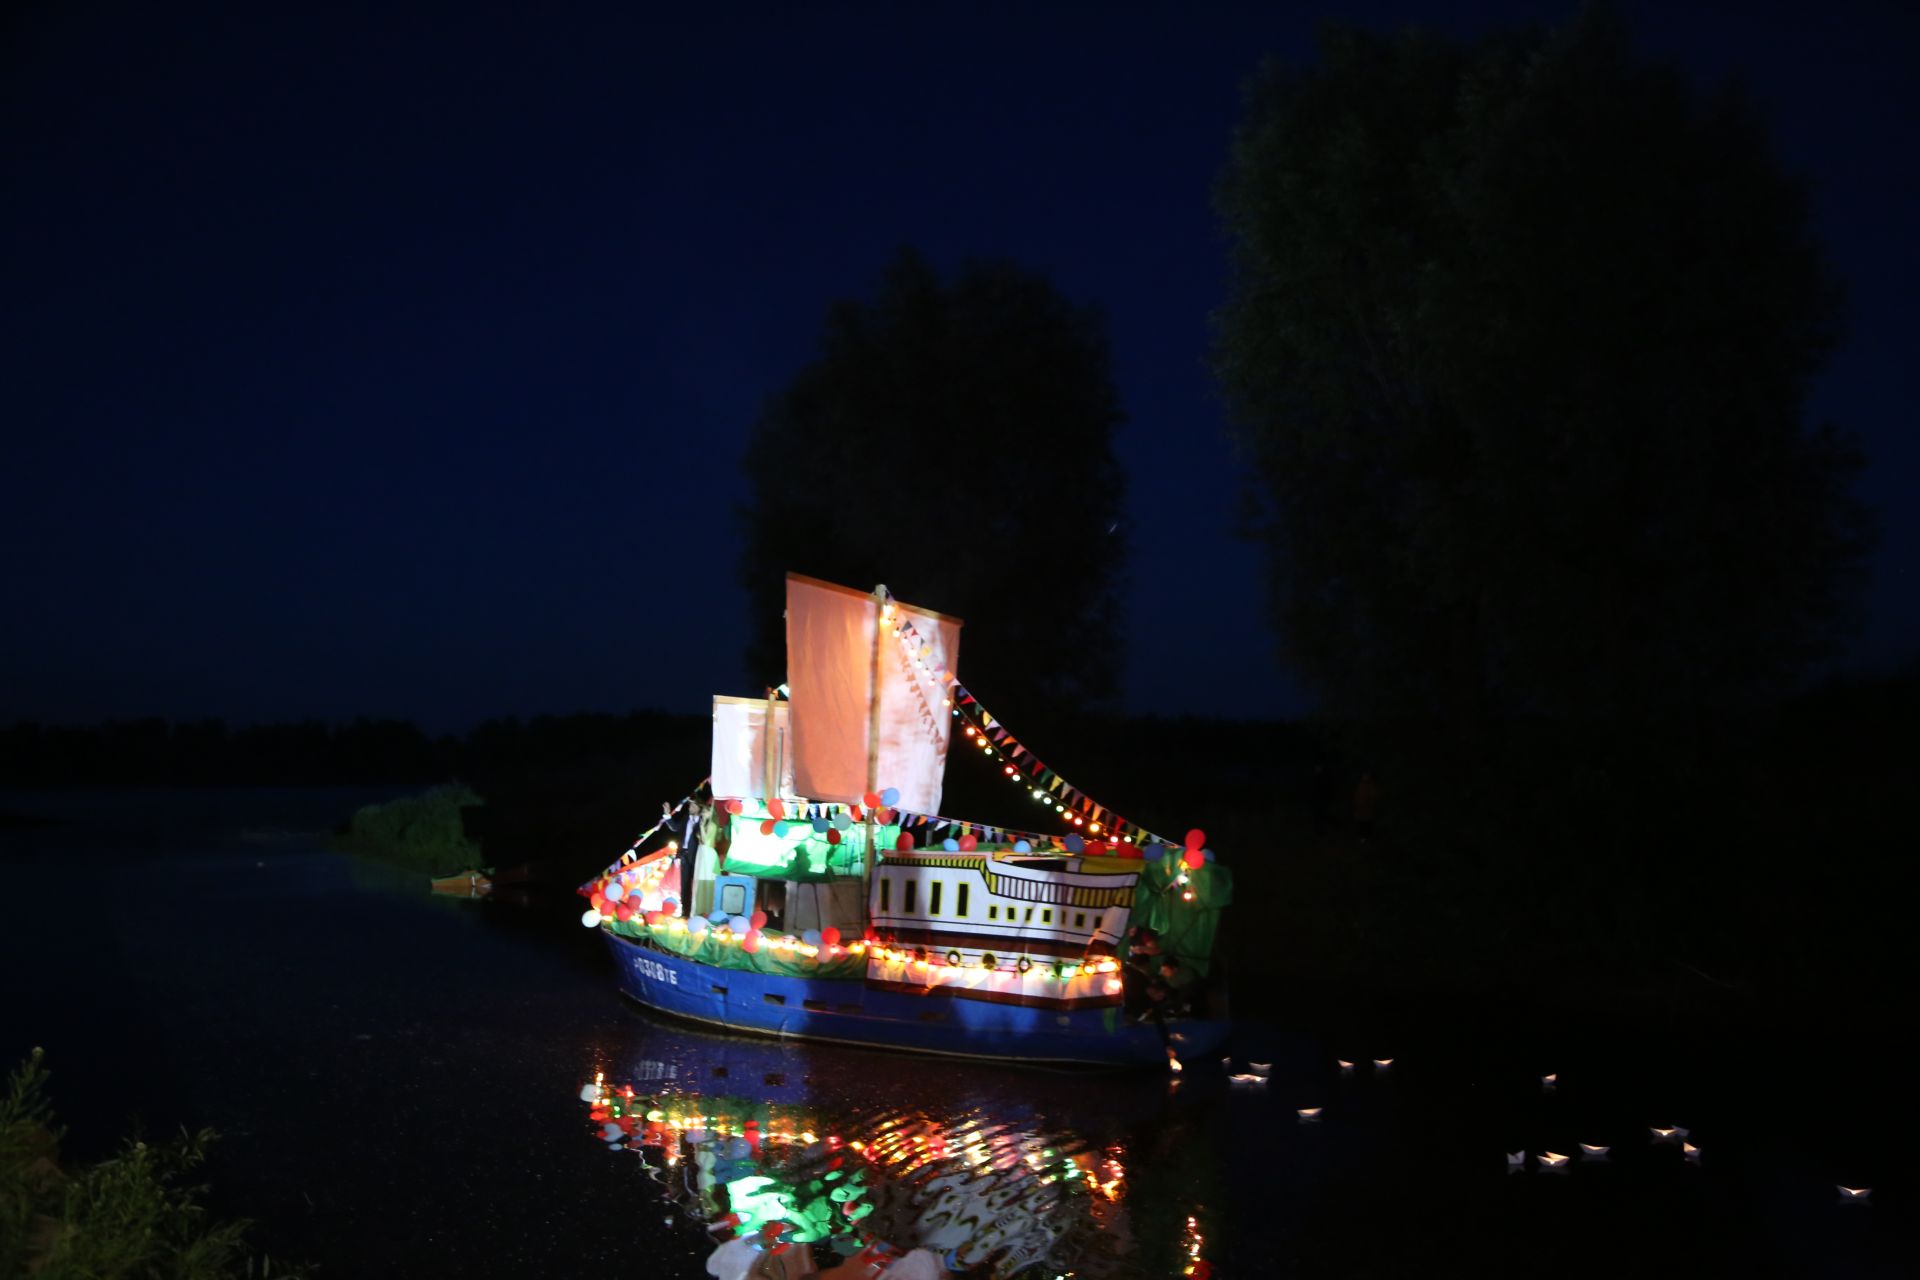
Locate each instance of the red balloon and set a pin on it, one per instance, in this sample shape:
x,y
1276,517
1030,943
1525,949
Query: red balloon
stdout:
x,y
599,901
1195,859
1196,838
871,799
968,844
884,817
623,912
758,919
750,943
776,807
655,917
829,936
904,843
766,828
733,806
833,835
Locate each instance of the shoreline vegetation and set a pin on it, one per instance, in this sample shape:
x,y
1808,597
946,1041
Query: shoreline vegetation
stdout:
x,y
1760,890
131,1215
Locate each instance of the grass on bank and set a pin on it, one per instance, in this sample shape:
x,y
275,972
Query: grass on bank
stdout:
x,y
132,1215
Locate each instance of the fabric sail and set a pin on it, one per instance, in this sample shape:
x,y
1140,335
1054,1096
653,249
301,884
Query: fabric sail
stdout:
x,y
841,748
740,748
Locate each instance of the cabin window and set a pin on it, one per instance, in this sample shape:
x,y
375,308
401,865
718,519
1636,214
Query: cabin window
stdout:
x,y
908,895
1079,919
933,899
733,899
1046,917
886,904
1029,915
961,908
993,912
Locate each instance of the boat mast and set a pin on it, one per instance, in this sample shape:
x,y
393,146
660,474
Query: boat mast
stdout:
x,y
882,604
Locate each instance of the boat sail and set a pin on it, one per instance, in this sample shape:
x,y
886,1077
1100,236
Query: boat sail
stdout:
x,y
810,888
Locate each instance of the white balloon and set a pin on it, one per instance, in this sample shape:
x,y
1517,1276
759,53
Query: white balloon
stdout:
x,y
590,918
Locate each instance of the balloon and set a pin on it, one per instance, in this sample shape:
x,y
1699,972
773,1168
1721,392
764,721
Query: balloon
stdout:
x,y
598,900
829,936
968,844
750,943
904,841
1195,859
833,837
698,925
733,806
1021,846
1196,838
885,817
871,799
811,937
1074,843
820,826
766,827
623,912
950,845
616,891
1207,854
589,1092
780,829
843,820
776,808
740,924
758,919
890,797
652,918
590,918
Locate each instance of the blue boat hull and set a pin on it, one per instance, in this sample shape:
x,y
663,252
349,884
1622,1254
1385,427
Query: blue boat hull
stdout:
x,y
848,1011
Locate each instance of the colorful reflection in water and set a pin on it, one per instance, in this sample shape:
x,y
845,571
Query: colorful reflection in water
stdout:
x,y
996,1191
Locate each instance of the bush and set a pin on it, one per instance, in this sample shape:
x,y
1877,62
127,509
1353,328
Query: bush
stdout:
x,y
422,833
127,1216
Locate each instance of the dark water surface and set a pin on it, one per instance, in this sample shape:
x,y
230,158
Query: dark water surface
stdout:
x,y
399,1082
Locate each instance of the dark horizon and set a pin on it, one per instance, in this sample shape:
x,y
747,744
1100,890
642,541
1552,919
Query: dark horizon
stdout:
x,y
399,365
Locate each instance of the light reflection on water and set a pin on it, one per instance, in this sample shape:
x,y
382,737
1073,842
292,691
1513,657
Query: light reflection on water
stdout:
x,y
1001,1173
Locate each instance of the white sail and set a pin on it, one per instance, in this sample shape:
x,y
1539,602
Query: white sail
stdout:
x,y
740,748
866,715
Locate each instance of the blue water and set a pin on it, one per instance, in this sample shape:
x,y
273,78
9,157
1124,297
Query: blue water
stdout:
x,y
398,1081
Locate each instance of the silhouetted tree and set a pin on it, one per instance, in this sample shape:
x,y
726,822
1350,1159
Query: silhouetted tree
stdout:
x,y
1518,344
954,441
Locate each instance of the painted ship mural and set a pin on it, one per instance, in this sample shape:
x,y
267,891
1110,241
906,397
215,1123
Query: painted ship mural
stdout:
x,y
810,887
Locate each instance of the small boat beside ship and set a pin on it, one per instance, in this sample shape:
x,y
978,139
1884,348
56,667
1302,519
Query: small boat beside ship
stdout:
x,y
810,887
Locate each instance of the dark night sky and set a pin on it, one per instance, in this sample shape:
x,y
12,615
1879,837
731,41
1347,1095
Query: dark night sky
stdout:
x,y
398,363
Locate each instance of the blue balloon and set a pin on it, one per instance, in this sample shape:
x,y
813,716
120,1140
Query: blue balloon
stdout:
x,y
820,826
1207,854
740,924
843,820
1075,844
811,937
890,797
1021,846
615,892
950,845
780,830
698,925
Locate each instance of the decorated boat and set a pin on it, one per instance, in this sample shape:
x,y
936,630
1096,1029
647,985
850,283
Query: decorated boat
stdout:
x,y
810,886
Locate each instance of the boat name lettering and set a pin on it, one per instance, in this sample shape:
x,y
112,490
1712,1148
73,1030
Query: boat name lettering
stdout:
x,y
657,971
